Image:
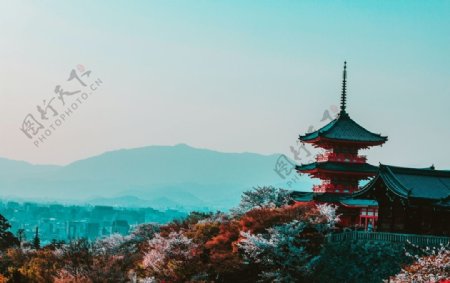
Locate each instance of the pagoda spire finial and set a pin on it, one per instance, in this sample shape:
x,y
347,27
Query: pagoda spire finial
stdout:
x,y
344,88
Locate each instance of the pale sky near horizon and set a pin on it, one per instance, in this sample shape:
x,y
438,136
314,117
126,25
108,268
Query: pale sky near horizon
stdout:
x,y
232,76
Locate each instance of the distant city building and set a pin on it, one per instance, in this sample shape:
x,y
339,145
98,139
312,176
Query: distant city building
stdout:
x,y
92,230
76,229
120,227
59,222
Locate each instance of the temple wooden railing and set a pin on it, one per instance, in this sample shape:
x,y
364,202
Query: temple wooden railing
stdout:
x,y
420,240
341,157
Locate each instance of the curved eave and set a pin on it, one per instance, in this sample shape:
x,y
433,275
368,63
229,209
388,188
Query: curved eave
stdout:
x,y
366,188
358,205
392,182
344,121
336,172
389,179
339,168
311,136
323,140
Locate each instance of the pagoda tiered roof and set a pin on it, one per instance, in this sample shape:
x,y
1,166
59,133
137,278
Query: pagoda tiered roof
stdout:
x,y
414,184
337,167
344,129
344,199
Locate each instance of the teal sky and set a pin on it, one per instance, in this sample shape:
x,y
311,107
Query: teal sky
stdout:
x,y
232,76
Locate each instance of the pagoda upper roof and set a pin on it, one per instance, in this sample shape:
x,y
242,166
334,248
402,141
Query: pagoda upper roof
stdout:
x,y
344,128
413,183
338,167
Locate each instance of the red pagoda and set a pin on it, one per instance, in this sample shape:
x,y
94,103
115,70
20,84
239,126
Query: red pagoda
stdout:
x,y
341,168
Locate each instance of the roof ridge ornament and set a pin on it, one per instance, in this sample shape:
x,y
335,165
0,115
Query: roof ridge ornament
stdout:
x,y
344,88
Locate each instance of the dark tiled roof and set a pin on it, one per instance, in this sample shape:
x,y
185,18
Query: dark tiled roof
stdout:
x,y
344,199
302,196
413,183
360,202
344,128
338,166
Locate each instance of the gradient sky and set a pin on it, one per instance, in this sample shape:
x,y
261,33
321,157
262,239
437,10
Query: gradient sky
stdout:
x,y
232,76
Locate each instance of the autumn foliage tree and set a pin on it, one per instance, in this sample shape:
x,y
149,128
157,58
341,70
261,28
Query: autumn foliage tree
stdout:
x,y
432,267
42,266
284,242
170,258
267,237
263,197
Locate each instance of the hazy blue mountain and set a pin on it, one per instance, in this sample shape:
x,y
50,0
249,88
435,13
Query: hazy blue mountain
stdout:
x,y
162,176
13,170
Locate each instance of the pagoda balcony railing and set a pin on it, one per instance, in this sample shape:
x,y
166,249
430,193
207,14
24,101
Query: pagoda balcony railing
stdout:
x,y
327,187
341,157
419,240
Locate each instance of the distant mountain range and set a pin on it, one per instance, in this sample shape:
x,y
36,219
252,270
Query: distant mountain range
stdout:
x,y
161,177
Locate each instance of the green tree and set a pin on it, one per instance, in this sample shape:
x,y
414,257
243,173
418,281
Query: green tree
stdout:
x,y
7,239
359,261
36,240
